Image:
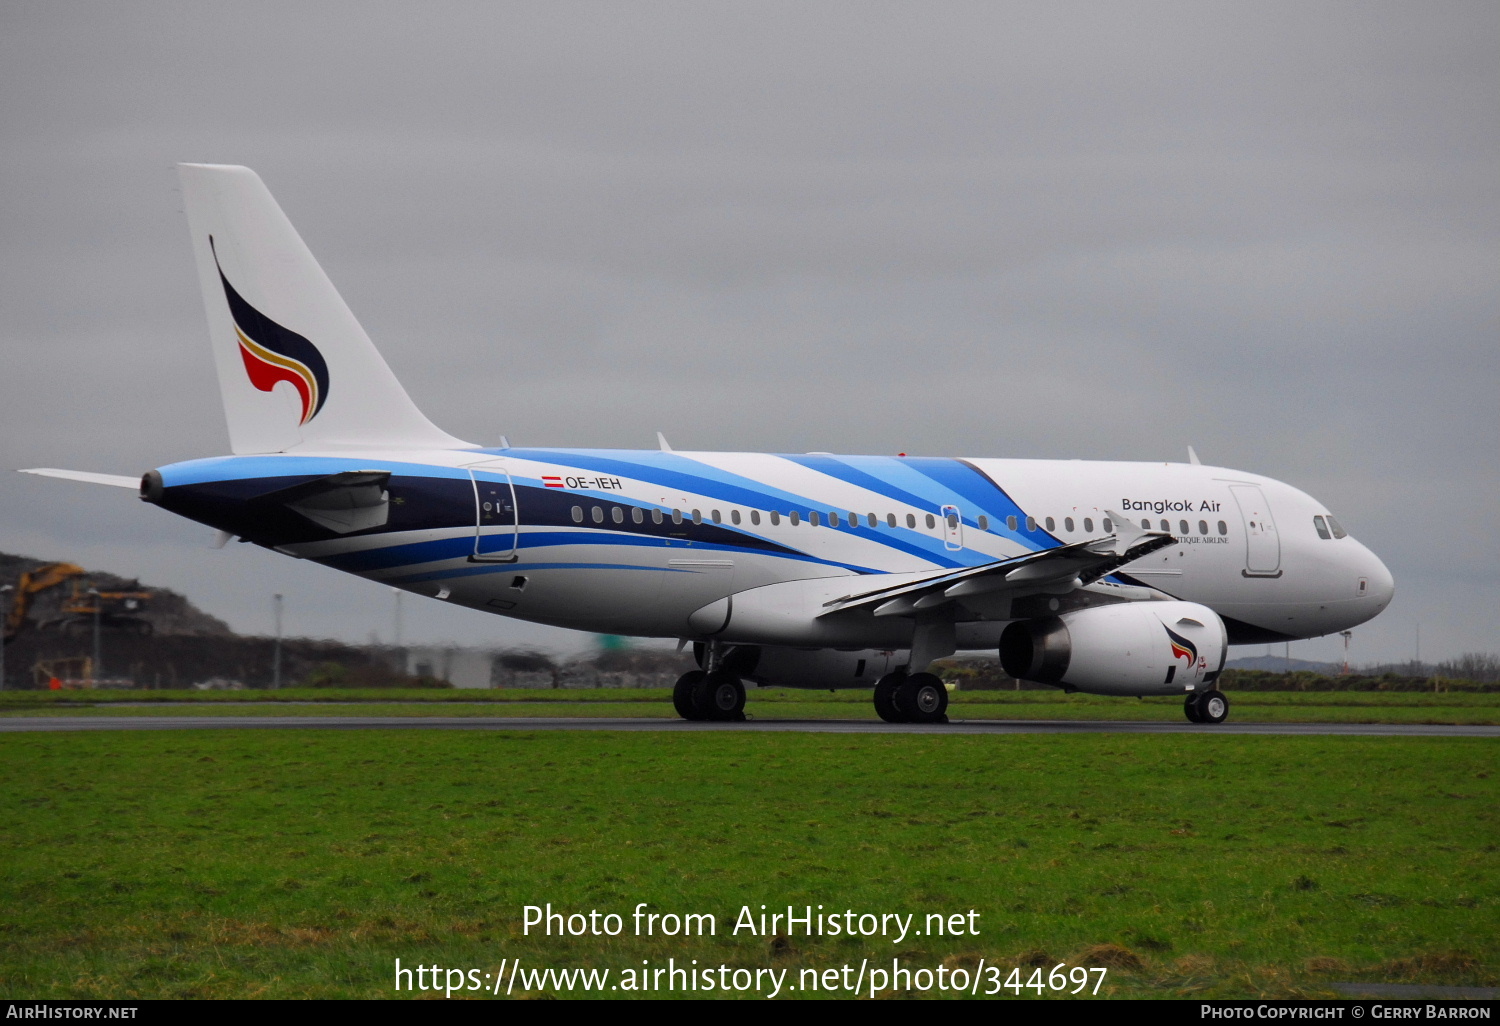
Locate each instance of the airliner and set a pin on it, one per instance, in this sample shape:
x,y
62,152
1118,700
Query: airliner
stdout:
x,y
809,570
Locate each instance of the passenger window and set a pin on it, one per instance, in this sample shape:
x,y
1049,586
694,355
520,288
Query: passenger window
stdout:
x,y
577,514
984,522
1145,525
1165,526
1182,527
1203,527
833,518
794,517
637,516
717,518
1337,528
1031,523
814,519
871,521
1223,527
1012,523
677,516
617,515
931,521
697,516
656,516
1068,524
775,518
1088,524
911,520
598,515
952,519
734,516
1107,525
1051,525
853,519
755,517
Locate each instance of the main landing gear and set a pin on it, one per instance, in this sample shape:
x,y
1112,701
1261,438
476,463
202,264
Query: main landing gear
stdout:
x,y
700,695
1206,707
911,698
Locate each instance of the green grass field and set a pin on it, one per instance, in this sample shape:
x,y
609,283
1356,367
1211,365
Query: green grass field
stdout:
x,y
302,863
771,703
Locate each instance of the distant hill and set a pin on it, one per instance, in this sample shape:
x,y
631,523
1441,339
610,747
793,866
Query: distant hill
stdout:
x,y
1278,664
169,613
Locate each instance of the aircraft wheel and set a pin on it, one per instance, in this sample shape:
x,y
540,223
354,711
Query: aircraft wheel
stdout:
x,y
1213,707
1190,708
682,694
719,696
923,698
885,697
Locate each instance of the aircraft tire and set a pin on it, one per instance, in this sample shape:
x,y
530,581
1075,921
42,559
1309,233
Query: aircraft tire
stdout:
x,y
923,698
1213,707
885,697
682,694
719,696
1190,708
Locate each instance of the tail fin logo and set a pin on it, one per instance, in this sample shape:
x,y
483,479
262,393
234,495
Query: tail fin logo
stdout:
x,y
1182,648
273,354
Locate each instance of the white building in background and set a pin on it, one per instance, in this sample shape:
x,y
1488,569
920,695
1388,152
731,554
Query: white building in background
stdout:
x,y
461,667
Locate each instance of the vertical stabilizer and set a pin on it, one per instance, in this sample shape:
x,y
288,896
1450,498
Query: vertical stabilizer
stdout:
x,y
295,368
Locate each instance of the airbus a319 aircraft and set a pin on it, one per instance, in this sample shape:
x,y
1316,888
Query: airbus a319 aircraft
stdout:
x,y
803,571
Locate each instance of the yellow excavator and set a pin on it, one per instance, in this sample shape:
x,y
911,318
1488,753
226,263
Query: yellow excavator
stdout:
x,y
118,610
31,584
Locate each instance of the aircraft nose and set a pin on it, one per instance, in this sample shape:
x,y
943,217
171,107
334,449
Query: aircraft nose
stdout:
x,y
1381,586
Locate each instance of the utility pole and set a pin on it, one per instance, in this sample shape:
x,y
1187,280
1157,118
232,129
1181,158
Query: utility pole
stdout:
x,y
98,664
1346,635
5,589
276,650
396,634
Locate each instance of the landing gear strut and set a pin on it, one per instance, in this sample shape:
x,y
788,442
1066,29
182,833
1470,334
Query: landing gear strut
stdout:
x,y
1206,707
911,698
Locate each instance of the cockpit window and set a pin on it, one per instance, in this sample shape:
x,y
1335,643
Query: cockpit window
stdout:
x,y
1322,528
1337,528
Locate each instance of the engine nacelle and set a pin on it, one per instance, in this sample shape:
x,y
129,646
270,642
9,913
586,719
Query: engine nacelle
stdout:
x,y
778,666
1133,648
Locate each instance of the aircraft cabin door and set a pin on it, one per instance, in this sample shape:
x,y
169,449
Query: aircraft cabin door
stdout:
x,y
496,516
953,528
1262,543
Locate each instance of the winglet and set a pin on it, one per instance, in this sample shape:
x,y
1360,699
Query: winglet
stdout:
x,y
1127,535
661,440
1193,457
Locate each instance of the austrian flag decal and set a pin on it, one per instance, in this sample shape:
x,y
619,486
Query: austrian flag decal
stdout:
x,y
551,481
273,354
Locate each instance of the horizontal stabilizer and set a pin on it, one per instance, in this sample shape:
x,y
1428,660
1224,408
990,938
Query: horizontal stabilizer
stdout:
x,y
88,477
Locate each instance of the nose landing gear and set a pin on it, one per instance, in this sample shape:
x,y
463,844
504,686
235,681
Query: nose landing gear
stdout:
x,y
1206,707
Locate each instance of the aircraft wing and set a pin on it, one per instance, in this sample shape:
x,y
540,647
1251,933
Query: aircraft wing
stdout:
x,y
1056,570
88,477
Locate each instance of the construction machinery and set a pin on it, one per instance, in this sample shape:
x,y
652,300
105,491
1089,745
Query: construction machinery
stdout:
x,y
31,584
121,610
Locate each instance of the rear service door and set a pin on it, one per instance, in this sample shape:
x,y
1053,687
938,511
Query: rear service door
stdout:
x,y
495,514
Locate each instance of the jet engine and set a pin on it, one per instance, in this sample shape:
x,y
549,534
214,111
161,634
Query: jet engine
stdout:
x,y
1132,648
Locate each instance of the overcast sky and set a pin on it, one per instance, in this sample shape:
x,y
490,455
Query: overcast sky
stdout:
x,y
1268,230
